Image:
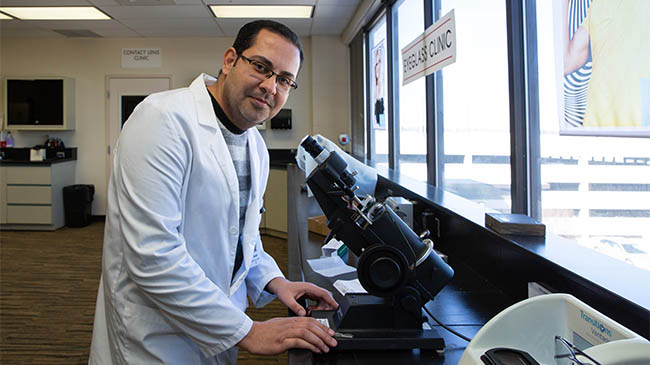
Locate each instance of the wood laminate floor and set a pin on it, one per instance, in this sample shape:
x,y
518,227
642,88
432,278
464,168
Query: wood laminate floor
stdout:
x,y
48,287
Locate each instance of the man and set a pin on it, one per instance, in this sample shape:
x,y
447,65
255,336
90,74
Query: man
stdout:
x,y
181,247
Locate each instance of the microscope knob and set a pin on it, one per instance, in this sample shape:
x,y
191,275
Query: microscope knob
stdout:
x,y
410,299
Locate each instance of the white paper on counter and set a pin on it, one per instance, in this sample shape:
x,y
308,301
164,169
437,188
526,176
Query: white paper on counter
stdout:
x,y
349,287
330,266
332,247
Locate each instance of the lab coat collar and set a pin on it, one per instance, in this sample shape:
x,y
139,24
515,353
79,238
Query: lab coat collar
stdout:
x,y
202,99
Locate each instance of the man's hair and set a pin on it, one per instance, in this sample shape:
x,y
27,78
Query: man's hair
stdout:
x,y
248,33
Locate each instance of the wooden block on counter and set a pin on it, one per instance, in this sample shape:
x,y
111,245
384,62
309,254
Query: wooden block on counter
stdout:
x,y
514,224
318,225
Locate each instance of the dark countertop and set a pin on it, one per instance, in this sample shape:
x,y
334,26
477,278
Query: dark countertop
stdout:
x,y
31,163
20,156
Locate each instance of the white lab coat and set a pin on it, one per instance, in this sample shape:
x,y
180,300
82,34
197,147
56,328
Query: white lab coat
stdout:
x,y
172,227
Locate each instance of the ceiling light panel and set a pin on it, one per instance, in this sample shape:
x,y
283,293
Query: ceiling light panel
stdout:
x,y
4,16
262,11
231,26
55,13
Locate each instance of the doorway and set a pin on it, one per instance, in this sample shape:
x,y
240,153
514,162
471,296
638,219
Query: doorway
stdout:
x,y
123,94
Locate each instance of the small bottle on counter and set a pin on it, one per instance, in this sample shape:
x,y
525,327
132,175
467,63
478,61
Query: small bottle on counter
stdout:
x,y
9,140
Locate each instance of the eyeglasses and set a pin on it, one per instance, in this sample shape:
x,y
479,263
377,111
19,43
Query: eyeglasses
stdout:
x,y
566,350
284,83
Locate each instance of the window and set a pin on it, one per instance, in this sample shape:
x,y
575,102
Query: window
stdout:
x,y
595,187
476,158
378,94
590,179
412,97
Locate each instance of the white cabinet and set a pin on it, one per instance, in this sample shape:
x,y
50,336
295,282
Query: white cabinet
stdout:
x,y
32,195
3,196
274,220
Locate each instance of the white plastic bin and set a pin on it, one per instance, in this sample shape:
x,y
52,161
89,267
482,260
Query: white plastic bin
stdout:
x,y
532,324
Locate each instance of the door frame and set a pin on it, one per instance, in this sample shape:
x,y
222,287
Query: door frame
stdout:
x,y
107,121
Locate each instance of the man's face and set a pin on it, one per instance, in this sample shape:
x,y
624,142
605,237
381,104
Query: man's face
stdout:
x,y
248,97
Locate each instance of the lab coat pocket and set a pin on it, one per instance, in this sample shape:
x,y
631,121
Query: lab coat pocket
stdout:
x,y
150,339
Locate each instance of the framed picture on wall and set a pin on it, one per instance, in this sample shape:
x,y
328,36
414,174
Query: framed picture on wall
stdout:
x,y
602,67
378,59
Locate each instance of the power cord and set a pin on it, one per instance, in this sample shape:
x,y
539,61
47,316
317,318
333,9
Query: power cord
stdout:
x,y
445,327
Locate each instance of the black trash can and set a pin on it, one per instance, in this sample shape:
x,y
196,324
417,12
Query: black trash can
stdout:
x,y
77,204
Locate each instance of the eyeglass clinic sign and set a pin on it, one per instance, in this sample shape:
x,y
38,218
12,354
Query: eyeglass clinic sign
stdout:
x,y
432,50
141,57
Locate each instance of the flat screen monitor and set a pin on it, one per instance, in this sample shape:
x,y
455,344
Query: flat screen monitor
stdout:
x,y
35,102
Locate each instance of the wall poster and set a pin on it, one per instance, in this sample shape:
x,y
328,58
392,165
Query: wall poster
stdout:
x,y
378,59
603,67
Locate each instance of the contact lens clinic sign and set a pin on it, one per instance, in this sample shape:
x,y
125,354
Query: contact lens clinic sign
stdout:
x,y
141,57
431,50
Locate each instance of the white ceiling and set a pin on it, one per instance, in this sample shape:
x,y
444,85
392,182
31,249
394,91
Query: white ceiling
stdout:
x,y
172,18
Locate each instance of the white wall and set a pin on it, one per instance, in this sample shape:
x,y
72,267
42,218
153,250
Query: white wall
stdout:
x,y
320,105
330,87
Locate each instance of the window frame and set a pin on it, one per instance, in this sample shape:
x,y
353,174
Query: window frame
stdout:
x,y
435,116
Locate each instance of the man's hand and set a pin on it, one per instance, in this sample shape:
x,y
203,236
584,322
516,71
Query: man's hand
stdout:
x,y
278,335
288,291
